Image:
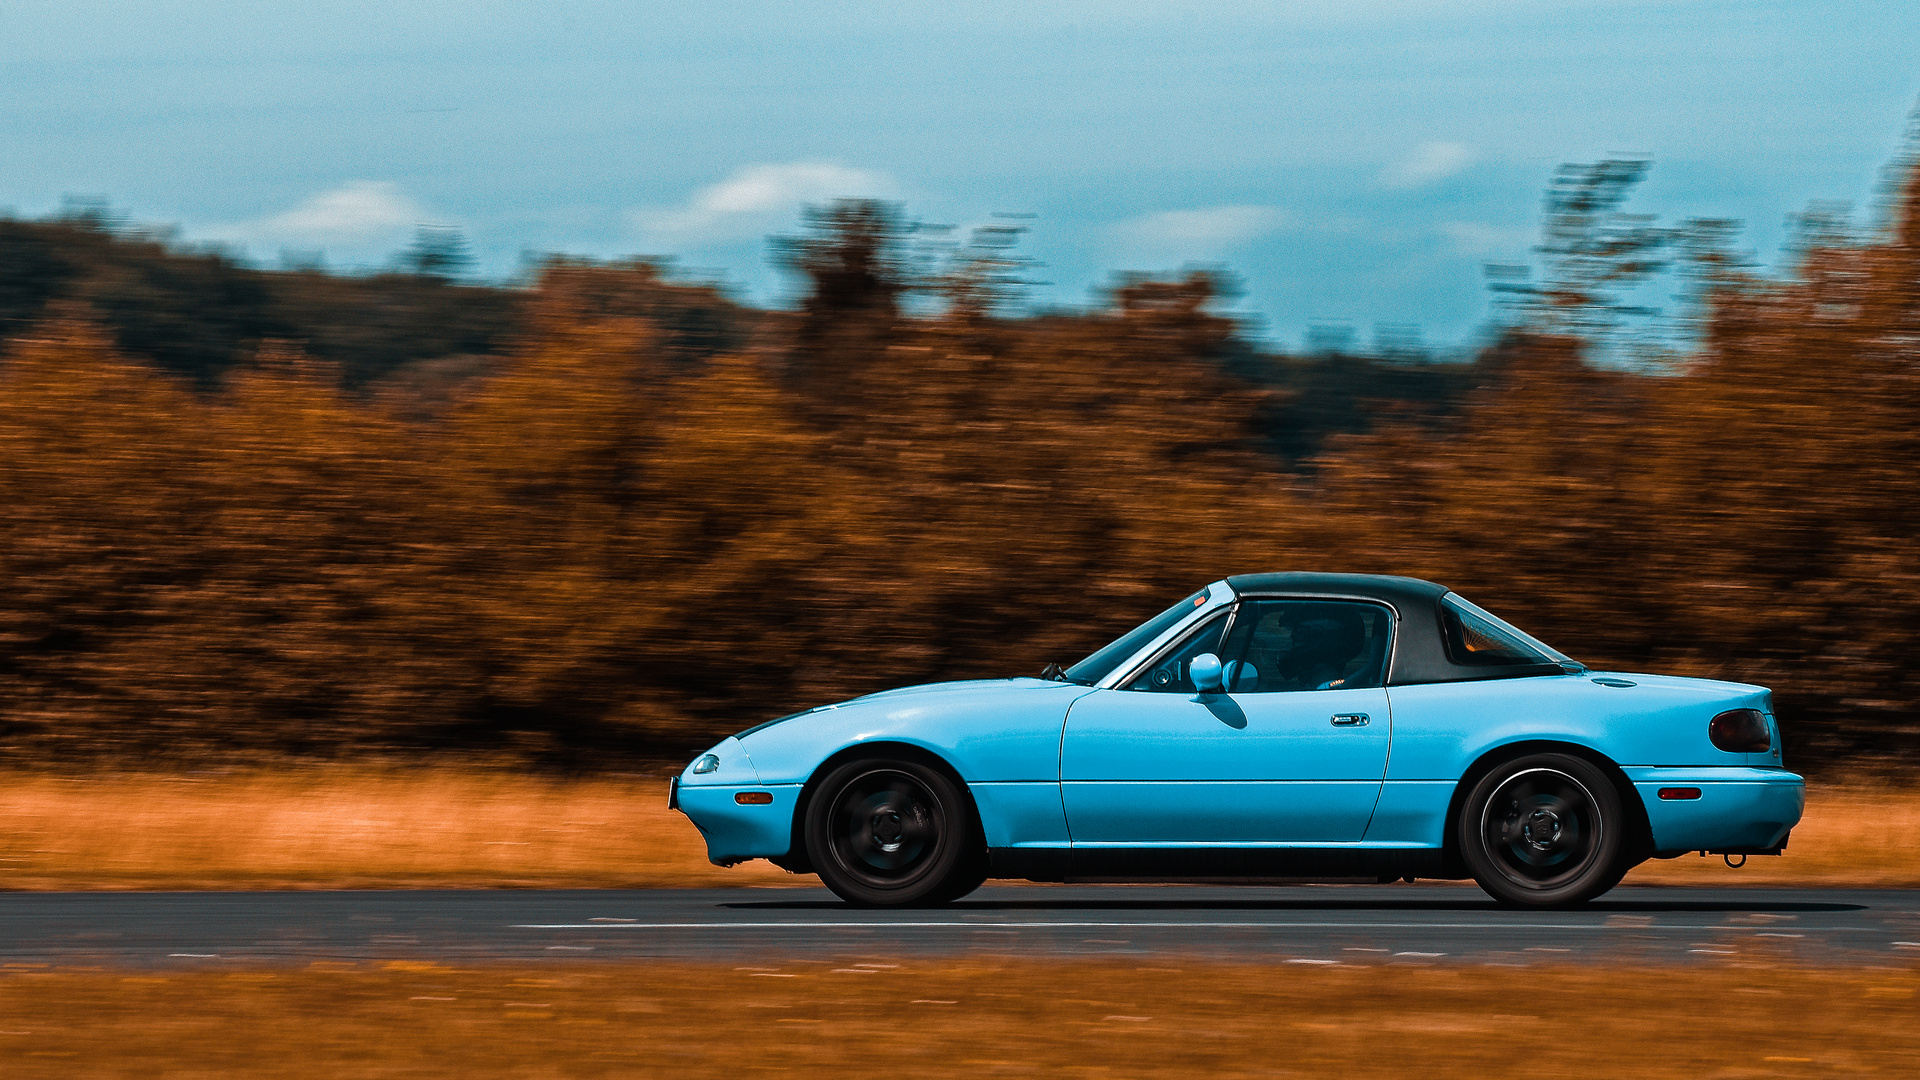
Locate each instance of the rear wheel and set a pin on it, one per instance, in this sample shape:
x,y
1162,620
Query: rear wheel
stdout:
x,y
1545,830
887,832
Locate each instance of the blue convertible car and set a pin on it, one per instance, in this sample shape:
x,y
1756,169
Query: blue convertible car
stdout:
x,y
1303,727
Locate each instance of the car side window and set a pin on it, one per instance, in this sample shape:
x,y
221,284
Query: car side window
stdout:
x,y
1287,645
1171,673
1475,637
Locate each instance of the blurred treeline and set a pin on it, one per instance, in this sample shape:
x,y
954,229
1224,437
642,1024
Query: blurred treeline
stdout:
x,y
609,516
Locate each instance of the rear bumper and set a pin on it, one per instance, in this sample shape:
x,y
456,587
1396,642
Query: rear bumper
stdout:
x,y
1738,809
735,833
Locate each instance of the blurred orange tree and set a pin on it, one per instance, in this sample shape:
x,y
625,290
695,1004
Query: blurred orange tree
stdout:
x,y
613,545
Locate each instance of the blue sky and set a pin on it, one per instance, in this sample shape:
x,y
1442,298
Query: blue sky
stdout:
x,y
1352,162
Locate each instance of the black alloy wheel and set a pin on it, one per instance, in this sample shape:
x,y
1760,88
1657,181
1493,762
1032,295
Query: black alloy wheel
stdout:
x,y
1545,830
887,833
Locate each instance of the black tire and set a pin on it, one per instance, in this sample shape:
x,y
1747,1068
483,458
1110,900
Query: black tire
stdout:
x,y
968,876
1544,831
886,833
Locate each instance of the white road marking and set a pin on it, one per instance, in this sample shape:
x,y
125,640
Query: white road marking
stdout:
x,y
1045,925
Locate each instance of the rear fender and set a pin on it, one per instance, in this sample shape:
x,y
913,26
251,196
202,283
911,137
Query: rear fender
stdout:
x,y
1639,832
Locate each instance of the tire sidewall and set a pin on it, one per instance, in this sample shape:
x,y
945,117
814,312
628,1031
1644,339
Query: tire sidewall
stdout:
x,y
1603,868
934,879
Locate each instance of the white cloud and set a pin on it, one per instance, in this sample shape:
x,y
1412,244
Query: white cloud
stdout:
x,y
756,198
1433,162
1201,232
356,214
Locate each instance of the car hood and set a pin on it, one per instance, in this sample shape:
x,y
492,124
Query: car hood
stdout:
x,y
887,698
988,729
958,685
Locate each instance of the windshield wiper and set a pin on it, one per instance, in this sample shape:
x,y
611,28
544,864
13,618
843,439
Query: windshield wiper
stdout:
x,y
1056,673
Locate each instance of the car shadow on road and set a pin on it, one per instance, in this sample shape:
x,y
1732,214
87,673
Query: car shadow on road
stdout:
x,y
1465,902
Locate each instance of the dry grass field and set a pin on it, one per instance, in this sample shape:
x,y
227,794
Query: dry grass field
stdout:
x,y
451,828
964,1018
1853,835
351,829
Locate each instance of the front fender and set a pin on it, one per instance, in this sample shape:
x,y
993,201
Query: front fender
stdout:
x,y
1002,736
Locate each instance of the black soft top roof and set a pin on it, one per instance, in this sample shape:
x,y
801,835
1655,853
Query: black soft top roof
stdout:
x,y
1420,650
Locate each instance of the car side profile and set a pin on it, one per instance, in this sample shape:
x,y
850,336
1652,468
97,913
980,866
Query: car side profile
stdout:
x,y
1270,727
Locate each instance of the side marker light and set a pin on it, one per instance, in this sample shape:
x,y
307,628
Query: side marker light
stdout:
x,y
1675,794
753,798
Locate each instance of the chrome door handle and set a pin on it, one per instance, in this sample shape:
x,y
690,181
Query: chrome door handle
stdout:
x,y
1350,719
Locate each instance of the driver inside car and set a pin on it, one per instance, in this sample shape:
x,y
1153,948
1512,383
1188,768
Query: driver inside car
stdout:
x,y
1315,652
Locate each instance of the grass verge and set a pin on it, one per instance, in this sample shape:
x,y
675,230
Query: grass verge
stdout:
x,y
911,1019
469,828
1861,836
352,829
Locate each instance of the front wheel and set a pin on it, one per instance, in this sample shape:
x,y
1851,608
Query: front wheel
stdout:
x,y
886,833
1546,830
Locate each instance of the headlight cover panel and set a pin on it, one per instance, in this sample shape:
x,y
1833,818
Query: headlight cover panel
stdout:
x,y
731,766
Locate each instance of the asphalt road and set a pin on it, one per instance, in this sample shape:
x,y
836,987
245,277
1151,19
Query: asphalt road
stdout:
x,y
1301,924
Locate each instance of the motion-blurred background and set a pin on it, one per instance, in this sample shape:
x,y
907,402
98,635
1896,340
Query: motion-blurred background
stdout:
x,y
433,499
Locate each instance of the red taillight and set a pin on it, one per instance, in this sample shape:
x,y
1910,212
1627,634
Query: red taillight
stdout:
x,y
1679,794
1741,731
753,798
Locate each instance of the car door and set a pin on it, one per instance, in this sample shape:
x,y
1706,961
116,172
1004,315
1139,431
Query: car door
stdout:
x,y
1293,753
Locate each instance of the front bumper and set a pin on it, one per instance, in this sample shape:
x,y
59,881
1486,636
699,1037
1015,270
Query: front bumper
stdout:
x,y
735,832
1738,809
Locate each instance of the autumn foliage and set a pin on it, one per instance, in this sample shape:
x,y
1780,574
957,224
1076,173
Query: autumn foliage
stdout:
x,y
609,545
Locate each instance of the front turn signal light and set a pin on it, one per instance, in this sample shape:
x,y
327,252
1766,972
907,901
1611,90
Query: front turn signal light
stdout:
x,y
1741,731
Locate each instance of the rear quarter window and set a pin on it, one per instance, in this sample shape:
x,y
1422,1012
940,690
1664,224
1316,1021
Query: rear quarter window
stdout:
x,y
1476,638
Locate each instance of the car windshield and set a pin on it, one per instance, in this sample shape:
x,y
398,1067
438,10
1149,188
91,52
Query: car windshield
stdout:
x,y
1095,667
1478,637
